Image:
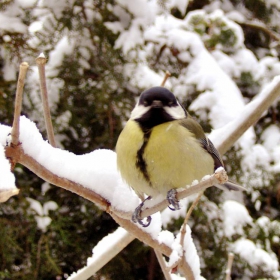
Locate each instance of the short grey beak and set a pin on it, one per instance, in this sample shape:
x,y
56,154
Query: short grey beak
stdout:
x,y
157,104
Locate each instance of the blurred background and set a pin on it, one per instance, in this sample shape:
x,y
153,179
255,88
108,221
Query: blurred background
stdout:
x,y
101,56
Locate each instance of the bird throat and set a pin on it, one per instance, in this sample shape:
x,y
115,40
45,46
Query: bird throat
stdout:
x,y
153,117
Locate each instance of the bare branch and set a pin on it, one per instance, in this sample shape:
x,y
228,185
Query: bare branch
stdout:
x,y
184,267
167,75
5,195
229,266
143,236
262,27
18,103
163,266
41,62
201,186
183,230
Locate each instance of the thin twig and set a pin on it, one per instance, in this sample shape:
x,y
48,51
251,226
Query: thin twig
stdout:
x,y
41,62
201,186
260,26
167,75
186,270
229,265
183,230
163,266
38,257
18,103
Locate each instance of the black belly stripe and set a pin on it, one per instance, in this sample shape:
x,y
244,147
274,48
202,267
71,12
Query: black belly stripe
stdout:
x,y
140,161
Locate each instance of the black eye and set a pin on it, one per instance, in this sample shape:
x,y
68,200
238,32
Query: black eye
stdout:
x,y
170,103
145,103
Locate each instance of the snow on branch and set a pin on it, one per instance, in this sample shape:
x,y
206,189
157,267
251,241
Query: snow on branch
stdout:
x,y
7,182
252,112
103,252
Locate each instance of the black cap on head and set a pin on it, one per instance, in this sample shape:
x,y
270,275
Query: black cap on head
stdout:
x,y
157,105
157,93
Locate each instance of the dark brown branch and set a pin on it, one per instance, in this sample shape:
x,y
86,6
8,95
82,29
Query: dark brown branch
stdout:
x,y
258,25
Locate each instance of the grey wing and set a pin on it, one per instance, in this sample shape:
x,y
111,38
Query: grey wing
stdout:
x,y
206,144
218,162
210,148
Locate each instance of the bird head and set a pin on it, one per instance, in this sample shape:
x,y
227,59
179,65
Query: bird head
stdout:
x,y
155,106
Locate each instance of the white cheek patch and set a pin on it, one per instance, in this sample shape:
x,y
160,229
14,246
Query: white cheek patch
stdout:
x,y
138,111
176,112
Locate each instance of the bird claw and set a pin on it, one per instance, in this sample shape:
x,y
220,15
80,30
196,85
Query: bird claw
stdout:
x,y
136,217
172,199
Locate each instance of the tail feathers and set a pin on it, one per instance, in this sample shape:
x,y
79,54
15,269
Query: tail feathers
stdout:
x,y
230,186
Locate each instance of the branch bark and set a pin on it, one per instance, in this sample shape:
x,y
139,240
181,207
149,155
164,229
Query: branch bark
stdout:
x,y
229,265
18,102
41,62
200,187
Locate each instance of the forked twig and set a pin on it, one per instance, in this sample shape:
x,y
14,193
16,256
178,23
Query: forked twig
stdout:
x,y
41,62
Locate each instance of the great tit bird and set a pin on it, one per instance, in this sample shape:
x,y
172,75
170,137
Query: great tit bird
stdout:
x,y
162,148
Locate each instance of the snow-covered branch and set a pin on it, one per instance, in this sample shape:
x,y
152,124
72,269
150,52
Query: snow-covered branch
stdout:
x,y
252,112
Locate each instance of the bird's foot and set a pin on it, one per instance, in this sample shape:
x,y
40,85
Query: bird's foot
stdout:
x,y
172,199
136,217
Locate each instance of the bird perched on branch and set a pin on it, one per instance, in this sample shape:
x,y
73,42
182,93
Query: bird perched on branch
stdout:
x,y
162,148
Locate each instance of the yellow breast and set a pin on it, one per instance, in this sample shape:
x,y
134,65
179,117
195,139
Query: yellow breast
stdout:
x,y
173,157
